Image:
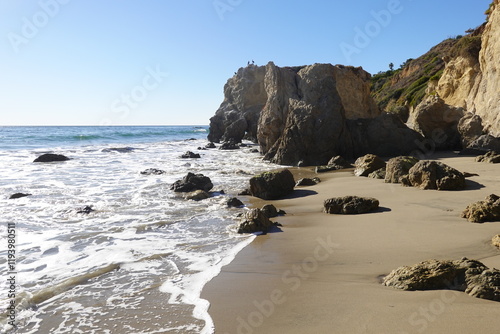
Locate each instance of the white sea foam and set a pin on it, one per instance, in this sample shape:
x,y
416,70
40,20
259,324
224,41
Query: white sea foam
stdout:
x,y
88,273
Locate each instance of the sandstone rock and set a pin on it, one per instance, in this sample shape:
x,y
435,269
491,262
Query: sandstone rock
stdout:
x,y
483,211
197,195
272,185
490,157
378,174
496,241
470,128
233,202
339,161
255,220
18,195
399,167
350,205
485,99
307,182
153,171
190,155
238,115
49,157
435,175
367,164
438,122
485,143
466,275
192,182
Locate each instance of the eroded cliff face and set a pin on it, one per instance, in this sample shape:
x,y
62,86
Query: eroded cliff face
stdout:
x,y
486,101
308,113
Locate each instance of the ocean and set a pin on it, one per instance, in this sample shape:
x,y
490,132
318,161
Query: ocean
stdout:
x,y
138,262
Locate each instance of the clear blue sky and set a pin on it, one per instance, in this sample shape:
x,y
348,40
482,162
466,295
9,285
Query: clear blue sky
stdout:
x,y
165,62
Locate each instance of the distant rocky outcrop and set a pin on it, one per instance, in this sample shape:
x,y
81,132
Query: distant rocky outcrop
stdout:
x,y
349,205
483,211
470,276
49,157
272,185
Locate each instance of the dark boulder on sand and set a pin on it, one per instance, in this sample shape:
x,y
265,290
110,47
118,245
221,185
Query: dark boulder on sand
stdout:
x,y
272,185
399,167
367,164
255,220
308,182
483,211
192,182
490,157
349,205
470,276
49,157
435,175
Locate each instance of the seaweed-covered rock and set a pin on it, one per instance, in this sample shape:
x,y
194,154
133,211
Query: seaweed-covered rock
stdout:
x,y
466,275
192,182
350,205
49,157
255,220
399,167
272,185
367,164
435,175
483,211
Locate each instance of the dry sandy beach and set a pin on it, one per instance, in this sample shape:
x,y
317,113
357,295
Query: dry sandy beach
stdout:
x,y
322,273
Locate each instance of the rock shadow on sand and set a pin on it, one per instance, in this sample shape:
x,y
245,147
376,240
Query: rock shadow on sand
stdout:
x,y
299,193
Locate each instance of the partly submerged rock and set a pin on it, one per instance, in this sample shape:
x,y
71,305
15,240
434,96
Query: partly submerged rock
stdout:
x,y
18,195
435,175
229,145
272,185
350,205
490,157
255,220
367,164
49,157
190,155
153,171
192,182
85,210
197,195
399,167
483,211
466,275
210,145
233,202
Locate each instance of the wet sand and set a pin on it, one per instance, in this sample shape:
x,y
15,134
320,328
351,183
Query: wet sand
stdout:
x,y
322,273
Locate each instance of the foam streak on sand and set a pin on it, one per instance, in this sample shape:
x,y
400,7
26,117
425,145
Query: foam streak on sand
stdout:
x,y
278,285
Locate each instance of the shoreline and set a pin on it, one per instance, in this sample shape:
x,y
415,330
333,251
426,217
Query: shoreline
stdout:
x,y
322,273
